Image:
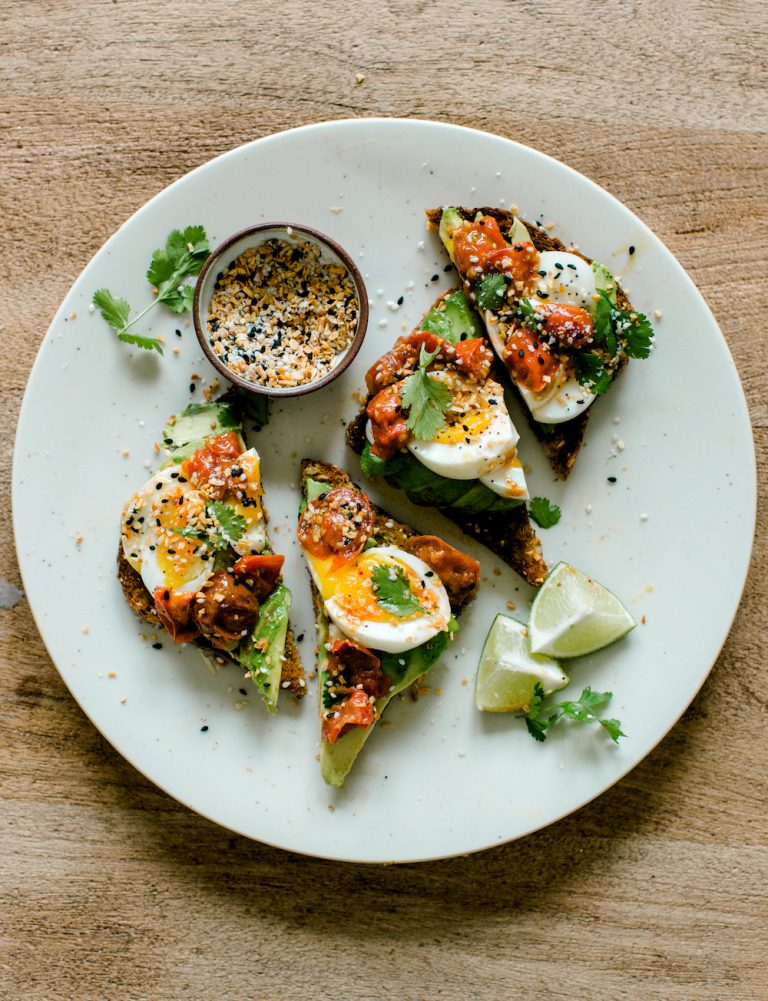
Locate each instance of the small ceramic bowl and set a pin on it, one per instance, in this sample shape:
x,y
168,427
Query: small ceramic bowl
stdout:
x,y
267,333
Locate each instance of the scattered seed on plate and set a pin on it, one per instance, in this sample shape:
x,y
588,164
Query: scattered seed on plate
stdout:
x,y
281,314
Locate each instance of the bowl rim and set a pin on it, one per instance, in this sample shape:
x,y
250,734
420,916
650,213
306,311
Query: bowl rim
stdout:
x,y
362,315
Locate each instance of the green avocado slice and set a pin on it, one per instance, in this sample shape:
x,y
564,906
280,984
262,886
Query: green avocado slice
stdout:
x,y
337,759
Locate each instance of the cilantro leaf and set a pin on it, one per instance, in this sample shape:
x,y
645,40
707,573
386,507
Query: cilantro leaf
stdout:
x,y
491,293
231,524
188,532
182,257
393,592
526,311
591,372
637,334
147,343
539,718
252,407
603,315
426,399
115,311
543,512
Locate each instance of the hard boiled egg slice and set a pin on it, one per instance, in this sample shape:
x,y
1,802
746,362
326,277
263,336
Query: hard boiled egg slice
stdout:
x,y
362,612
507,479
477,434
163,558
563,400
245,500
564,277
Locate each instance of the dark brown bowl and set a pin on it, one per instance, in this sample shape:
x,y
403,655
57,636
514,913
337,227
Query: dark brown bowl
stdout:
x,y
252,237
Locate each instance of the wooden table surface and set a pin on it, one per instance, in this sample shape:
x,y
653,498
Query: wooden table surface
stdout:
x,y
110,889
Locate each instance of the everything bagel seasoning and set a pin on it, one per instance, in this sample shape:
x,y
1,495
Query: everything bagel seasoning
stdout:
x,y
281,314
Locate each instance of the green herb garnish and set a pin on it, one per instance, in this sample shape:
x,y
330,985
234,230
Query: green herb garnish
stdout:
x,y
231,527
393,592
426,399
231,524
492,290
543,513
592,372
540,718
181,258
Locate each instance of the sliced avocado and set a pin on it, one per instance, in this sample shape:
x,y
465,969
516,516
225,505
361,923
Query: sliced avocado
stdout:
x,y
265,666
450,220
200,421
429,489
604,281
337,759
518,233
453,319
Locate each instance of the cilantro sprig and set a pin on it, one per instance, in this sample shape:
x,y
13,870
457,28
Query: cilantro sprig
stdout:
x,y
492,291
540,718
181,258
393,592
616,330
426,399
543,512
229,527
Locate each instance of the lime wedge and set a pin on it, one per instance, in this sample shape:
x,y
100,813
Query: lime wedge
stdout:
x,y
573,615
508,671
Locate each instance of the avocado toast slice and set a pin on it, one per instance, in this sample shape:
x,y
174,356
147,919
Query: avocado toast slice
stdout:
x,y
474,476
194,555
560,322
380,620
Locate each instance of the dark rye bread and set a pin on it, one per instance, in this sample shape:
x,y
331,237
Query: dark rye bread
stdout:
x,y
386,530
561,442
140,600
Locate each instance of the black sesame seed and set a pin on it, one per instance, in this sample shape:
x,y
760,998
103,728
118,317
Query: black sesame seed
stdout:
x,y
157,646
242,691
191,387
300,637
203,729
521,353
447,268
177,332
401,300
631,249
435,278
572,267
611,479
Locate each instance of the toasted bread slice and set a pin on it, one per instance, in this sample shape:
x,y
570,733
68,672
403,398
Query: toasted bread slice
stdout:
x,y
560,442
337,757
292,678
508,533
269,654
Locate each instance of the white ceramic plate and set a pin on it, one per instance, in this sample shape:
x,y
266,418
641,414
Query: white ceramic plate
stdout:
x,y
440,779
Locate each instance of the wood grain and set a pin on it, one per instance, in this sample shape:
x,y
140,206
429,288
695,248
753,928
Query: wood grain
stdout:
x,y
108,888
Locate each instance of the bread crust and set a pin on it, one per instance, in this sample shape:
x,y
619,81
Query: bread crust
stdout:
x,y
140,600
560,442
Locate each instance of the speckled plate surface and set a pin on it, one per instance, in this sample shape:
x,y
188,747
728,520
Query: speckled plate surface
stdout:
x,y
440,779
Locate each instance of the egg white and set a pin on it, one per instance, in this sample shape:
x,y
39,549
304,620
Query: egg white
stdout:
x,y
572,283
145,544
507,479
467,455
